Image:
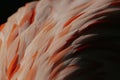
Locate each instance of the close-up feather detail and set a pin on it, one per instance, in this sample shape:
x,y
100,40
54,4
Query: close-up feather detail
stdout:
x,y
57,39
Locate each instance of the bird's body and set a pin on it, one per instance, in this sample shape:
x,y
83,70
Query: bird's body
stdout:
x,y
44,40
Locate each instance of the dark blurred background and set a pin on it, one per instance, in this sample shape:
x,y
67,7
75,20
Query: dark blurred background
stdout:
x,y
8,7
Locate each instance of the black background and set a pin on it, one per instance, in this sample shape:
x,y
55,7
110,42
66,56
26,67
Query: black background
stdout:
x,y
8,7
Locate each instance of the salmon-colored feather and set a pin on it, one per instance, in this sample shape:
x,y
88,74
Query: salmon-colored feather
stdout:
x,y
44,39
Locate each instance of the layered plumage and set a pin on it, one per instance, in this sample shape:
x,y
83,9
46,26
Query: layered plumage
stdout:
x,y
44,40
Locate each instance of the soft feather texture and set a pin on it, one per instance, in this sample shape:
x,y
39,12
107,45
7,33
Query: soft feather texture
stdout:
x,y
44,39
